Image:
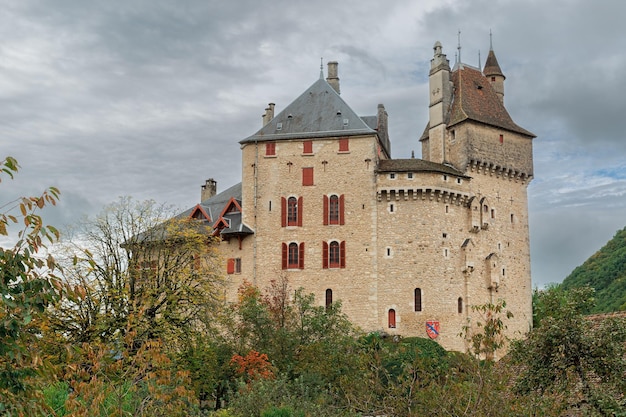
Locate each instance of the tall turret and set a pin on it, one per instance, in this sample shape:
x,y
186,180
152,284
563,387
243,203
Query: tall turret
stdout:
x,y
440,97
493,72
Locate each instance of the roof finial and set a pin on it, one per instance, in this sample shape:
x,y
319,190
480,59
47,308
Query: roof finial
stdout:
x,y
321,68
490,40
459,46
479,58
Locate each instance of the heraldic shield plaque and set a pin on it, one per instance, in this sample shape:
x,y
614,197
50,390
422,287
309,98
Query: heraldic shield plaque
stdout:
x,y
432,328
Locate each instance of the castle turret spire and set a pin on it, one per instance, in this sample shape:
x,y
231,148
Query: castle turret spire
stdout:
x,y
493,72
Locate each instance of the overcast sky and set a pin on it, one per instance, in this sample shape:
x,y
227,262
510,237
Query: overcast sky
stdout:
x,y
149,98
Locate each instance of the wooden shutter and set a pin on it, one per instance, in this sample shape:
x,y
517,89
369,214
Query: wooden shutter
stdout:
x,y
325,210
307,176
308,146
343,145
283,211
342,254
301,256
230,266
285,255
325,255
342,219
300,211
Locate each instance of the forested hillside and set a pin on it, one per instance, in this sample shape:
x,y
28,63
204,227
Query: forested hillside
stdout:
x,y
605,271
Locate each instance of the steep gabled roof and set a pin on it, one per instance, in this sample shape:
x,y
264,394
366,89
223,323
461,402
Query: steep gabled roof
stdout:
x,y
475,99
318,112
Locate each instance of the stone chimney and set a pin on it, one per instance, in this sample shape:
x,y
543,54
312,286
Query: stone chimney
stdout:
x,y
269,114
333,78
208,190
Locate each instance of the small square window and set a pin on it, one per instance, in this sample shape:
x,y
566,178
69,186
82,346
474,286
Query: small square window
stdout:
x,y
409,175
307,147
279,126
392,176
270,149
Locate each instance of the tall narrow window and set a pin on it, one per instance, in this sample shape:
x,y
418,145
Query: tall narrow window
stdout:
x,y
418,299
292,211
501,138
344,145
334,209
459,306
329,297
392,318
307,176
307,146
237,265
333,255
270,149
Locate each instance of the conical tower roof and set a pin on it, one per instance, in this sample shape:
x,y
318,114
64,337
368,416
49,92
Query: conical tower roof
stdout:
x,y
491,65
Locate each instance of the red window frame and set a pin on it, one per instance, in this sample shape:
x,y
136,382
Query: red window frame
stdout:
x,y
334,209
270,149
292,211
392,318
293,255
333,254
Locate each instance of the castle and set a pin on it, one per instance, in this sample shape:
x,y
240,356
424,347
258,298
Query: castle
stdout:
x,y
407,245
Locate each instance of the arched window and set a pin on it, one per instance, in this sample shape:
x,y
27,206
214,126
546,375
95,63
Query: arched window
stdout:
x,y
293,255
329,297
292,211
392,318
460,305
333,209
333,255
418,299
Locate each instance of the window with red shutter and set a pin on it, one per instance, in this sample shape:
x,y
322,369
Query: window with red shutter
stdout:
x,y
284,257
307,176
344,145
230,266
300,207
283,211
301,256
342,254
270,149
308,146
324,255
342,219
325,210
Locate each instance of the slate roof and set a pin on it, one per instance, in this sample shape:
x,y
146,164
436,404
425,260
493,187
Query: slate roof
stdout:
x,y
416,165
475,99
214,206
318,112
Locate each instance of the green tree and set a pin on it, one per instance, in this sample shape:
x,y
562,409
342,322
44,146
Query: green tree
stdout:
x,y
27,287
568,353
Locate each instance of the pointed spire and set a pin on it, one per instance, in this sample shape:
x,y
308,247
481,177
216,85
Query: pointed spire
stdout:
x,y
490,40
459,45
491,65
